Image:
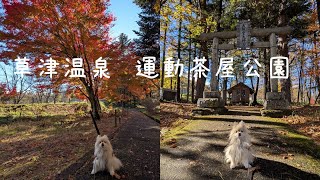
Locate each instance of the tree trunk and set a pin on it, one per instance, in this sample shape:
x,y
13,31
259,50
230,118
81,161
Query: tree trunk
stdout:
x,y
189,64
201,82
204,50
299,87
95,106
219,16
179,57
225,88
193,79
266,74
39,97
302,89
318,10
309,92
317,97
94,102
316,64
163,55
55,98
255,94
283,50
48,96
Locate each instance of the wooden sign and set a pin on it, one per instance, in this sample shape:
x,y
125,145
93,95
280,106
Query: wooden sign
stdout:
x,y
243,35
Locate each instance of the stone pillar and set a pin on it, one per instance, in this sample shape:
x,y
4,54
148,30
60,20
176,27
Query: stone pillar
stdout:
x,y
273,53
212,103
275,104
214,65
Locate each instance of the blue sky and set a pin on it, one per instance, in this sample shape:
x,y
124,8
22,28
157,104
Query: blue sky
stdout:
x,y
126,13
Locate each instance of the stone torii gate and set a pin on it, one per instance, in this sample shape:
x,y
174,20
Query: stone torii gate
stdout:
x,y
212,103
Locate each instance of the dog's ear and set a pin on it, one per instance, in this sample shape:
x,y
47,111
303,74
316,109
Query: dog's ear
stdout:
x,y
242,123
98,136
235,124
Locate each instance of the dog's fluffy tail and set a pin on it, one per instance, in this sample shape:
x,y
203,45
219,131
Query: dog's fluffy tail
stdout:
x,y
227,156
116,163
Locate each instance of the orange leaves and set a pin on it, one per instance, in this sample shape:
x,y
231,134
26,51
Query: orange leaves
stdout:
x,y
314,26
58,29
6,92
40,29
123,84
62,28
79,94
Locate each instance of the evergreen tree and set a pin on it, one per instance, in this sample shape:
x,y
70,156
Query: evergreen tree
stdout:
x,y
148,41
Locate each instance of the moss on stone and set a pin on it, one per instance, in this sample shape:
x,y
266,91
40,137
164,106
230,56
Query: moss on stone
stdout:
x,y
276,113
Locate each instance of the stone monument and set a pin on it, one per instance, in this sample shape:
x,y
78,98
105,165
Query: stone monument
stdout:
x,y
275,104
212,103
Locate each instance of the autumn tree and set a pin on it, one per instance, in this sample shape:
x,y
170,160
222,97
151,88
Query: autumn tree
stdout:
x,y
124,85
60,29
201,17
16,87
313,54
164,28
6,94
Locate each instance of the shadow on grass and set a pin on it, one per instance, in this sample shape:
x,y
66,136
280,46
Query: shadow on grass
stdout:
x,y
243,113
204,134
231,120
306,111
278,170
82,168
10,119
289,142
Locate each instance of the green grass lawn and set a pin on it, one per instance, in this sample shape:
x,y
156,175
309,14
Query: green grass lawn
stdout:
x,y
39,140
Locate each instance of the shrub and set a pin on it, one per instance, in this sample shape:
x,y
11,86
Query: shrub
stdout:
x,y
150,104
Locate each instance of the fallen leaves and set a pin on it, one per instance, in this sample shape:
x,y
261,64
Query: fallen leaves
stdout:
x,y
172,143
287,156
46,146
173,146
171,112
307,121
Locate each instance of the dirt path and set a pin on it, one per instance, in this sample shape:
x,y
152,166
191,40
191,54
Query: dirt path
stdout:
x,y
136,144
198,152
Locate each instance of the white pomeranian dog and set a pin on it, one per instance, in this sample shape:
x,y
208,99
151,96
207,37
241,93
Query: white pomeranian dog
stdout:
x,y
239,152
104,157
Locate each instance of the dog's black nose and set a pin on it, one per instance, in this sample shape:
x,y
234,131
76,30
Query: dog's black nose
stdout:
x,y
239,134
102,144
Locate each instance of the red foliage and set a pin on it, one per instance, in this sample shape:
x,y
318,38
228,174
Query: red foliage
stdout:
x,y
61,29
6,93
